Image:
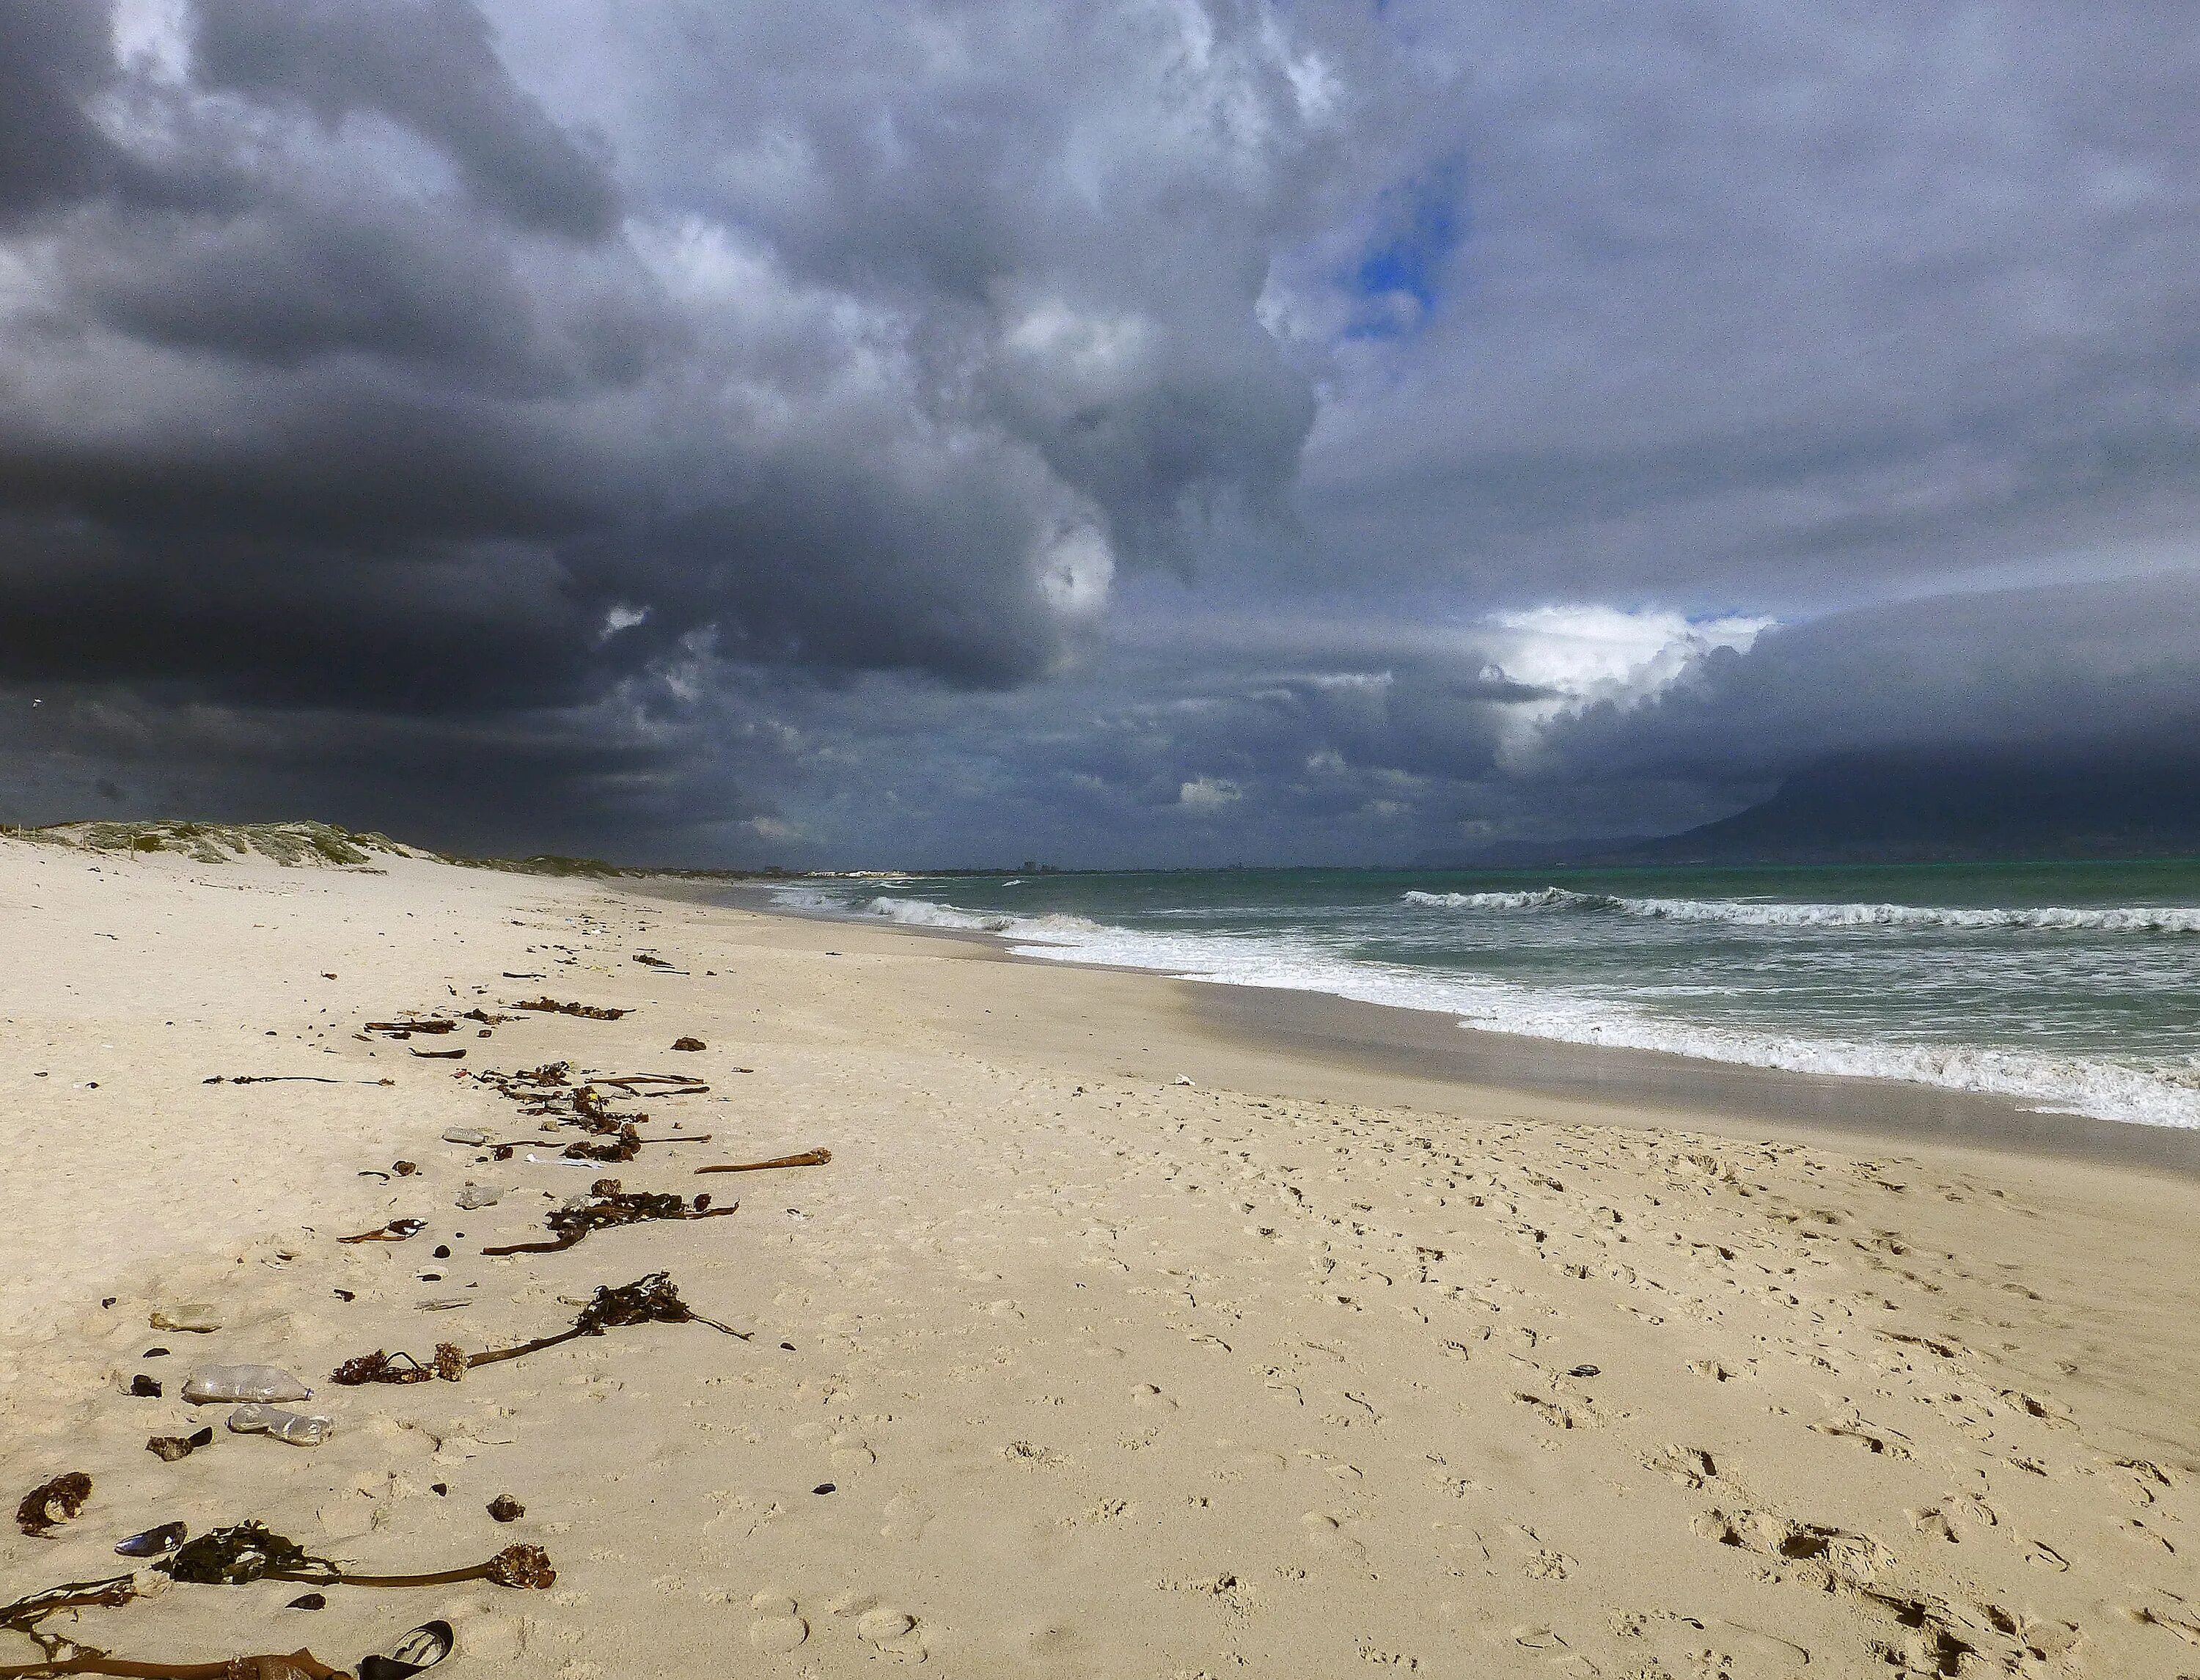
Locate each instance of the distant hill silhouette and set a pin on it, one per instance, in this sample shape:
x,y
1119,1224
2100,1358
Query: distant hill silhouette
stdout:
x,y
1943,805
1919,807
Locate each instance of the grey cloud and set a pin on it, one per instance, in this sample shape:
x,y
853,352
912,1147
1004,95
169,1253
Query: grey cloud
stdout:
x,y
1788,305
855,434
369,367
2105,667
429,65
50,151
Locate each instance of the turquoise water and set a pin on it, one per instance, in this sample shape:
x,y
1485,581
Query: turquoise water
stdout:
x,y
2071,986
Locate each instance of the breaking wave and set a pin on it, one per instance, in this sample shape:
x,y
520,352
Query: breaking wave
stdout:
x,y
2068,1084
922,913
2134,919
2167,1093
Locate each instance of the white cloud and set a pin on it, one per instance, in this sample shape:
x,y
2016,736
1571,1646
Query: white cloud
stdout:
x,y
1586,653
1207,794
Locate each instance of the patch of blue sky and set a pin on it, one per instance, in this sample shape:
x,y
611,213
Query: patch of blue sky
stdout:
x,y
1398,279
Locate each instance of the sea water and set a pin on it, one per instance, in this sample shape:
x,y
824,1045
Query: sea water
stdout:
x,y
2069,986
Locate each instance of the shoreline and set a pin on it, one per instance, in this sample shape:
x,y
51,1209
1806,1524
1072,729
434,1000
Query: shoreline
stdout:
x,y
1117,1339
1437,1047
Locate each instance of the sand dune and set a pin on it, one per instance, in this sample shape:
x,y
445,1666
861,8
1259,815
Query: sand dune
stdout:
x,y
1060,1367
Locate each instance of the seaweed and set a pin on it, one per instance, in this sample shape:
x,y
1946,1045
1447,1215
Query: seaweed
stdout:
x,y
653,1299
405,1029
587,1012
814,1157
397,1230
289,1079
170,1448
624,1144
249,1551
234,1556
53,1502
299,1665
608,1208
678,1085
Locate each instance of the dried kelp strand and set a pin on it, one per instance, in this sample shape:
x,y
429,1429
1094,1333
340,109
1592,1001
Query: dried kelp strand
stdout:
x,y
815,1157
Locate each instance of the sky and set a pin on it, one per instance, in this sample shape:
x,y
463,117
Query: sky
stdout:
x,y
1174,433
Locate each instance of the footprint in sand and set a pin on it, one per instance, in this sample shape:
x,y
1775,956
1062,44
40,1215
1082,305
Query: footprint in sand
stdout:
x,y
1691,1466
850,1455
1325,1533
1727,1649
776,1626
906,1519
1145,1394
888,1629
894,1632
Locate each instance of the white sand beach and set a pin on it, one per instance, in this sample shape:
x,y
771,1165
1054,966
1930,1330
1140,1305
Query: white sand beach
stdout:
x,y
1063,1366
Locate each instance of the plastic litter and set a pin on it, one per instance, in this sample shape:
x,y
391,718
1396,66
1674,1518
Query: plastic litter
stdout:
x,y
299,1429
200,1318
215,1383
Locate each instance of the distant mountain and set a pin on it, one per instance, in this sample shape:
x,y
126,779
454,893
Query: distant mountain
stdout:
x,y
1936,806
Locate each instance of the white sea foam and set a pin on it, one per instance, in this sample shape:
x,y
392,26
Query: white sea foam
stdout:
x,y
922,913
2071,1084
2076,1085
2133,919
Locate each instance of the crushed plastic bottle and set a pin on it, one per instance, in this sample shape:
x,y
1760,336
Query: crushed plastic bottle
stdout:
x,y
216,1383
201,1318
464,1134
300,1429
472,1195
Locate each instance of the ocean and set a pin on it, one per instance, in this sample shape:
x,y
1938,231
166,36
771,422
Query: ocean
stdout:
x,y
2071,987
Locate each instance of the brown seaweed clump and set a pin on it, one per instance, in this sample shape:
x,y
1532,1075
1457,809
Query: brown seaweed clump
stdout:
x,y
53,1502
586,1011
654,1299
609,1208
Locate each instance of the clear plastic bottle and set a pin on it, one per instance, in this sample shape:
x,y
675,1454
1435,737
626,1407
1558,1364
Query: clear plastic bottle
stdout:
x,y
300,1429
215,1382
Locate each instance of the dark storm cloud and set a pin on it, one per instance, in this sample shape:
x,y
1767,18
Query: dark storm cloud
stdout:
x,y
429,65
2105,667
51,152
375,360
704,429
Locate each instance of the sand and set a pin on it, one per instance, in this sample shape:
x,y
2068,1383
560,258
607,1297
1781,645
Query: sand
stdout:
x,y
1314,1366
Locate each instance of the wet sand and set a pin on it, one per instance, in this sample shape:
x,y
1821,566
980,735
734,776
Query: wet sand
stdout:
x,y
1361,1348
